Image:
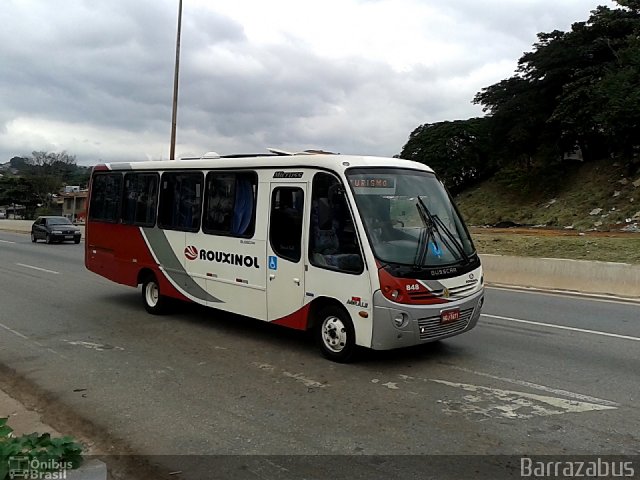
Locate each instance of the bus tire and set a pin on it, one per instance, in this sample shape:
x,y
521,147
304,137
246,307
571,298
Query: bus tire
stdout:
x,y
154,303
335,334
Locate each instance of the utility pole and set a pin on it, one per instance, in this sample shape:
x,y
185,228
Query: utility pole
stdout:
x,y
172,154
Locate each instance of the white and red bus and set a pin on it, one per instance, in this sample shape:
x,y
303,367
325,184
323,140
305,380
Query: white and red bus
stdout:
x,y
365,251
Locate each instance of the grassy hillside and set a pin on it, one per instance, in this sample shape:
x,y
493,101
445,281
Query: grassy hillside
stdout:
x,y
591,196
601,246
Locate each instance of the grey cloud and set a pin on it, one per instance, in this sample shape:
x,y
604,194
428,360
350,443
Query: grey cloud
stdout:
x,y
109,66
107,63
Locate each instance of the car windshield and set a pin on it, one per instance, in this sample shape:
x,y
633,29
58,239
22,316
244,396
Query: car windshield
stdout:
x,y
409,217
58,221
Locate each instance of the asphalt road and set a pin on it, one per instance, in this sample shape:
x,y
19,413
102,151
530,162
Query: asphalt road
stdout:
x,y
542,374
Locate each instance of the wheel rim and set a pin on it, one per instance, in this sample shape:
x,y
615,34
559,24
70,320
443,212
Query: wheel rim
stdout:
x,y
334,334
151,294
33,237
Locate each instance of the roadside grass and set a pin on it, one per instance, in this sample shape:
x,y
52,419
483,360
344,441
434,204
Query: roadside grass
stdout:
x,y
621,248
557,199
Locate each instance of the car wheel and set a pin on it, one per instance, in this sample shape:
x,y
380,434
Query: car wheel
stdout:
x,y
154,302
48,238
33,237
335,334
76,240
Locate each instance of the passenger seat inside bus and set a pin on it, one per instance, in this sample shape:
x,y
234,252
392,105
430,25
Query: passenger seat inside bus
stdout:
x,y
326,247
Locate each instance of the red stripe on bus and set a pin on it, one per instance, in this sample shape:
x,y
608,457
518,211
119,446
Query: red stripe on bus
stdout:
x,y
298,319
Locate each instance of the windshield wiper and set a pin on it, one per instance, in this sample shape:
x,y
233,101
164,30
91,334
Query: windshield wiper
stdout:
x,y
439,226
426,234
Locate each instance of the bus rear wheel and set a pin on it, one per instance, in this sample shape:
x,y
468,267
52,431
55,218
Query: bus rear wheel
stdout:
x,y
154,303
335,334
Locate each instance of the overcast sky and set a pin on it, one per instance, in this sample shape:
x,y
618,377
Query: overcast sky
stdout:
x,y
95,78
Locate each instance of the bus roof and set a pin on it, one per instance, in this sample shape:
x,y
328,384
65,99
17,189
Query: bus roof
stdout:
x,y
335,162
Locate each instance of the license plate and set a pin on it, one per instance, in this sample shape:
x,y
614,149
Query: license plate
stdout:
x,y
68,237
449,316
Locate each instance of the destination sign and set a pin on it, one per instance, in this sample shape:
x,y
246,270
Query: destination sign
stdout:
x,y
373,185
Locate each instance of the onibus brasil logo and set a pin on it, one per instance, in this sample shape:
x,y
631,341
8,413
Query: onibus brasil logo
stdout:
x,y
37,468
194,253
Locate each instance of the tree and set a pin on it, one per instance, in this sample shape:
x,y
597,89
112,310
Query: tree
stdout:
x,y
575,88
457,151
19,163
19,191
51,163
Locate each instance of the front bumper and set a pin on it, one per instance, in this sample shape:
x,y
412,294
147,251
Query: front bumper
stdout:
x,y
65,237
423,323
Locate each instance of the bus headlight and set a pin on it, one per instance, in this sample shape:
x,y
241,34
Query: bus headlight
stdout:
x,y
400,319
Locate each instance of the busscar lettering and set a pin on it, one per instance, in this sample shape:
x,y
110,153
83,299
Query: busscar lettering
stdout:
x,y
443,271
281,174
229,258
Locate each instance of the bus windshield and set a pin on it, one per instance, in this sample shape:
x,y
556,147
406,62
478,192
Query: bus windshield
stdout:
x,y
409,217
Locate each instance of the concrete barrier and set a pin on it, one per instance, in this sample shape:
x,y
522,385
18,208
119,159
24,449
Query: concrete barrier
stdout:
x,y
602,278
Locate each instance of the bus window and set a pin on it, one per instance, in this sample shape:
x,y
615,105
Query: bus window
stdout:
x,y
180,201
139,199
230,201
285,232
333,243
105,197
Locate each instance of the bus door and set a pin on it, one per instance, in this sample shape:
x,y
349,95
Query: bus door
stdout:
x,y
286,250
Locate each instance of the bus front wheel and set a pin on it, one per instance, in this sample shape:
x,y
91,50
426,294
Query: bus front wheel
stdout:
x,y
335,334
154,303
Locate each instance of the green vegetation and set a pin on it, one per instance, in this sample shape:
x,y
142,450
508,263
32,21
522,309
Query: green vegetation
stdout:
x,y
45,454
557,199
623,248
576,93
32,181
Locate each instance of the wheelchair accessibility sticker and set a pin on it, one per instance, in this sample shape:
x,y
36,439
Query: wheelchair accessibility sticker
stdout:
x,y
273,262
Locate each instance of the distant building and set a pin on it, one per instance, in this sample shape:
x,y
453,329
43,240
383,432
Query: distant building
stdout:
x,y
74,204
13,211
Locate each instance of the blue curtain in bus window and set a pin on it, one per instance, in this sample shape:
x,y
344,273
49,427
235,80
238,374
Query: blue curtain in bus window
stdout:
x,y
243,208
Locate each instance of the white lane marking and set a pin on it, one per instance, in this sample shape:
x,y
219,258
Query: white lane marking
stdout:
x,y
15,332
35,342
300,377
38,268
304,380
6,241
391,385
490,403
563,327
535,386
596,297
93,346
264,366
